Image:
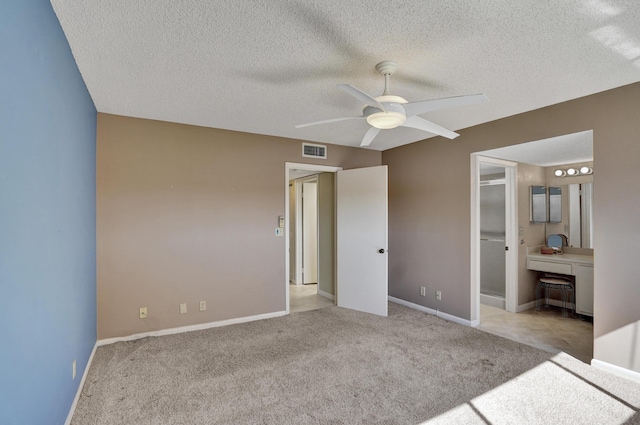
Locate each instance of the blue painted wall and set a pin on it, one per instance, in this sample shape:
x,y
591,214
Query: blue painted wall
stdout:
x,y
47,217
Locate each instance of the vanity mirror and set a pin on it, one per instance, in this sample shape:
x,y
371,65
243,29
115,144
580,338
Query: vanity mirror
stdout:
x,y
555,205
567,210
538,204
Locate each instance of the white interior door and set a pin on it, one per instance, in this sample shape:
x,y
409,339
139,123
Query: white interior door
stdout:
x,y
310,232
361,229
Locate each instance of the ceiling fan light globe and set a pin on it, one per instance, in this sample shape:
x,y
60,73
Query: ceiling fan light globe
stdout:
x,y
391,98
386,120
392,118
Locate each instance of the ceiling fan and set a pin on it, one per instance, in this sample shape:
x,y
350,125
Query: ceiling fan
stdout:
x,y
389,111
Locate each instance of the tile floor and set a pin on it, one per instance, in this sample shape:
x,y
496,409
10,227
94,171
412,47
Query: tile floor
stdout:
x,y
305,298
545,329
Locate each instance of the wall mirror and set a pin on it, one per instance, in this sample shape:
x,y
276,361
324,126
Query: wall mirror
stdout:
x,y
555,205
538,204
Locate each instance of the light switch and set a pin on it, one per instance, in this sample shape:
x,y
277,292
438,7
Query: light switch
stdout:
x,y
279,231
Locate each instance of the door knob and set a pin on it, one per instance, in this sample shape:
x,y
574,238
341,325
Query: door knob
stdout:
x,y
381,250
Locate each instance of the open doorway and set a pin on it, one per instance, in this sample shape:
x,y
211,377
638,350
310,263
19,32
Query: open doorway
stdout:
x,y
310,220
540,164
493,207
311,240
494,250
359,270
359,267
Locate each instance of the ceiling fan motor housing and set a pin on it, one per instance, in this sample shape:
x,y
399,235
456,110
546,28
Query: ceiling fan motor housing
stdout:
x,y
394,116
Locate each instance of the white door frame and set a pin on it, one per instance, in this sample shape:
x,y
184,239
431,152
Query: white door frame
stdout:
x,y
511,234
299,252
288,167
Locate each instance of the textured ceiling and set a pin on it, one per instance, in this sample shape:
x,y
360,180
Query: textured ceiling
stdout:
x,y
262,66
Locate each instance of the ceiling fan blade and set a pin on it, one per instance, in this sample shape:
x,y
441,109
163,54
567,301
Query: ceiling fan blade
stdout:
x,y
422,124
369,136
327,121
361,96
422,106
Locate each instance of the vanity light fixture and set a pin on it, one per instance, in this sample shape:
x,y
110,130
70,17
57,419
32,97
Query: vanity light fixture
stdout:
x,y
572,172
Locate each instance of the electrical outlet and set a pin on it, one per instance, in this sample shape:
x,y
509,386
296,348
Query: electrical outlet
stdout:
x,y
203,305
438,295
143,312
423,291
73,369
183,308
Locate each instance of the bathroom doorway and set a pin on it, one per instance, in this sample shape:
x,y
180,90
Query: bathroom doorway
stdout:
x,y
494,246
492,235
537,164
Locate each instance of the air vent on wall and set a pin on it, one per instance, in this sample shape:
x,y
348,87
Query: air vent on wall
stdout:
x,y
310,150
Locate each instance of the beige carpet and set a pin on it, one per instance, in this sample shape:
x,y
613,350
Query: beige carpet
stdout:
x,y
336,366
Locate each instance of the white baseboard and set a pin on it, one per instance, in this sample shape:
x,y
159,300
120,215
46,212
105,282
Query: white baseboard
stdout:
x,y
72,409
526,306
413,305
616,370
532,304
438,313
493,301
190,328
326,295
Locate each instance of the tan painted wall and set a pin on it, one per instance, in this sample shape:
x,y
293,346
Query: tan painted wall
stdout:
x,y
326,232
429,212
189,213
532,233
